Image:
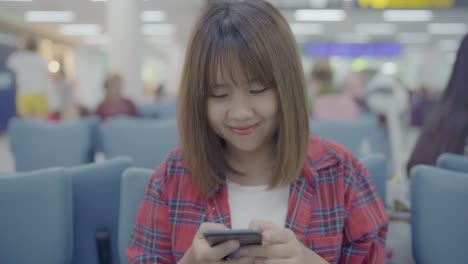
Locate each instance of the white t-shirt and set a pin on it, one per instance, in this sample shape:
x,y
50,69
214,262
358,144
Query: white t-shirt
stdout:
x,y
31,71
248,203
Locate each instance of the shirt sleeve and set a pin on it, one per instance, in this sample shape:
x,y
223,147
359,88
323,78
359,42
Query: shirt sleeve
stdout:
x,y
151,237
366,224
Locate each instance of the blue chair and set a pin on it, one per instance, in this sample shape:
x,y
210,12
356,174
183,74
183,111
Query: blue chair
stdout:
x,y
358,136
134,183
37,145
147,142
96,201
376,164
439,215
453,162
93,123
36,222
161,110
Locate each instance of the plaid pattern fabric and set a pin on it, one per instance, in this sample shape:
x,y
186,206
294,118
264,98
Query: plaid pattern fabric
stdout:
x,y
334,210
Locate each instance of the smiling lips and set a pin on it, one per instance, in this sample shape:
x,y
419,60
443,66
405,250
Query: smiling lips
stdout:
x,y
244,131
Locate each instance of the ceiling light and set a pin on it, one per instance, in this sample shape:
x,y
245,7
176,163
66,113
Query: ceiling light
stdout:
x,y
153,16
319,15
80,29
352,38
157,29
96,40
407,15
376,29
413,38
447,28
306,28
49,16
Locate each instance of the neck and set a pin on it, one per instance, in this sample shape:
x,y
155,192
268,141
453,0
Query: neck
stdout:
x,y
257,165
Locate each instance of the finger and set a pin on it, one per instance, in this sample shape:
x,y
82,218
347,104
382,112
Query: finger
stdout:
x,y
209,226
220,251
272,233
278,236
261,225
268,251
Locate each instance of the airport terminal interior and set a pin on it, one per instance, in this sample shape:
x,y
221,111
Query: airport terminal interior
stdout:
x,y
89,91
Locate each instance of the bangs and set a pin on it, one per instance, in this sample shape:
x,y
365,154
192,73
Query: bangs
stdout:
x,y
233,60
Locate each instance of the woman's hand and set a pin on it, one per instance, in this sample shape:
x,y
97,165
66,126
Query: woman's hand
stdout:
x,y
200,252
280,245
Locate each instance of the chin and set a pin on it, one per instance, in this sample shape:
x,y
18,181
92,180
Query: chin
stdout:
x,y
246,146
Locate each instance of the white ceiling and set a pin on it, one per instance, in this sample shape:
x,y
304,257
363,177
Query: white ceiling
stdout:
x,y
182,13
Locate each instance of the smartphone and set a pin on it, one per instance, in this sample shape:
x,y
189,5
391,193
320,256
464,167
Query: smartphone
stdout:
x,y
246,237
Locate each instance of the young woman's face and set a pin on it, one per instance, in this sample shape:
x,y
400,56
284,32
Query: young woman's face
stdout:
x,y
245,116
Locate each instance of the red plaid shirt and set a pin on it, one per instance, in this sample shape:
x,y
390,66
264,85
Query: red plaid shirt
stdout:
x,y
334,210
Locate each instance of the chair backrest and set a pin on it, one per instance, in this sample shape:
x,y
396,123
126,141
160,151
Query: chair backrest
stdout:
x,y
453,162
147,142
37,145
134,182
35,220
376,164
439,215
96,202
166,109
93,123
362,136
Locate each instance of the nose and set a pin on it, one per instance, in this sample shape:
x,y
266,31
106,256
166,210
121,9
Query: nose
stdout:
x,y
240,109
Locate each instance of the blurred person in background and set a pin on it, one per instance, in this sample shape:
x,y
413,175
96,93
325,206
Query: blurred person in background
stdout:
x,y
327,103
160,93
322,78
64,93
31,80
114,104
354,87
446,128
421,102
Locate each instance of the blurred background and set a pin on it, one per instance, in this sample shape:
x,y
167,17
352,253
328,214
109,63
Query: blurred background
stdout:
x,y
375,70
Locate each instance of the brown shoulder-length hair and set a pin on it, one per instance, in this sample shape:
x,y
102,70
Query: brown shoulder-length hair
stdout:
x,y
254,38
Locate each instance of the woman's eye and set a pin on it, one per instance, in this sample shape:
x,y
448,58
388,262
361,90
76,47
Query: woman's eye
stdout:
x,y
218,96
259,90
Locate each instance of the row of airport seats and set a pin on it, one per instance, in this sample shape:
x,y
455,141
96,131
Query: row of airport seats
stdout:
x,y
58,215
362,136
439,211
166,109
36,144
69,215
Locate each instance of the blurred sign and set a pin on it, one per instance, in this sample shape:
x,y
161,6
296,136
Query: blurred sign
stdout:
x,y
352,50
380,4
